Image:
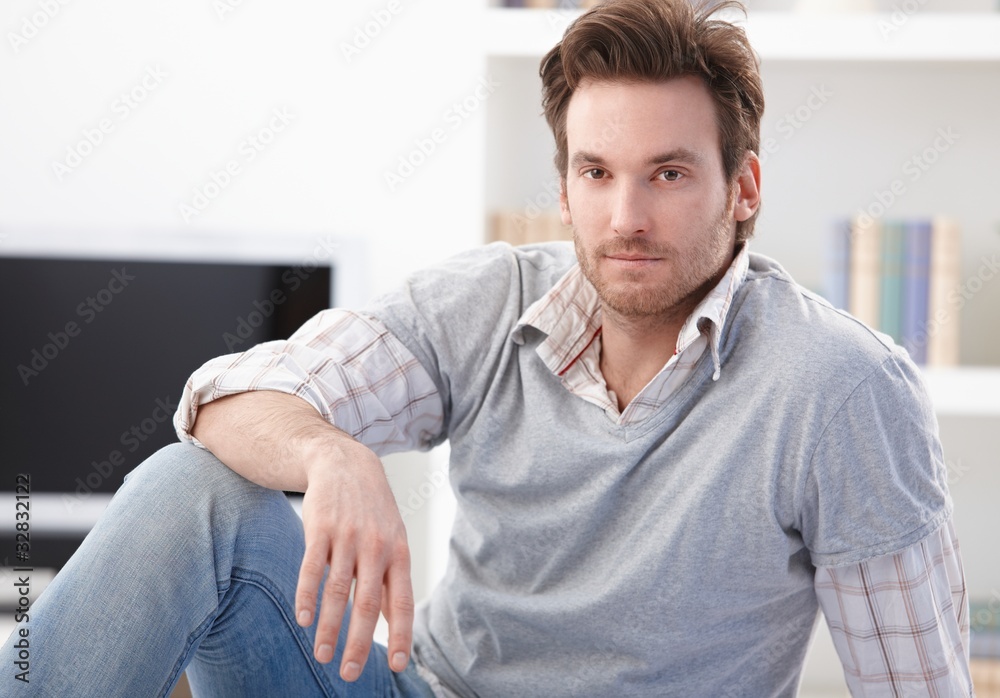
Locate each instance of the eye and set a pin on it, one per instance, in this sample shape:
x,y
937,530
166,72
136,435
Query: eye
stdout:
x,y
671,175
594,173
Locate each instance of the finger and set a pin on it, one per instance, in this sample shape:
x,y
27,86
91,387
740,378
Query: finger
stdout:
x,y
336,594
364,616
398,608
310,576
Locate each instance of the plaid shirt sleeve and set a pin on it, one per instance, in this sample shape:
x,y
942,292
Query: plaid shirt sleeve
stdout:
x,y
348,366
900,622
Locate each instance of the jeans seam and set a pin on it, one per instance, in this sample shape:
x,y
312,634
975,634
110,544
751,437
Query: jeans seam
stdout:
x,y
186,655
263,584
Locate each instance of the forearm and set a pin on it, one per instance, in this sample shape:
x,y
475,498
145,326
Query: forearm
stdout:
x,y
272,438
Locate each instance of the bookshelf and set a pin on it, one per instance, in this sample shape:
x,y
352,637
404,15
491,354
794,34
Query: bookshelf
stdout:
x,y
890,94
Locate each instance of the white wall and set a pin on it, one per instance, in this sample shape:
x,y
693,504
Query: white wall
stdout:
x,y
217,75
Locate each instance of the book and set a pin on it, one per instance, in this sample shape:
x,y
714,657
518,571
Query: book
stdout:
x,y
864,287
902,277
891,291
945,277
916,279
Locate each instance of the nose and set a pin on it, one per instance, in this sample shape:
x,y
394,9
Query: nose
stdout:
x,y
631,209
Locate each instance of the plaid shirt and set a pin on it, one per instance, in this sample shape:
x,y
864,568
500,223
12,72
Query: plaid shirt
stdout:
x,y
899,622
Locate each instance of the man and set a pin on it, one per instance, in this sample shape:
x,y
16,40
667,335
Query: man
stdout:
x,y
665,457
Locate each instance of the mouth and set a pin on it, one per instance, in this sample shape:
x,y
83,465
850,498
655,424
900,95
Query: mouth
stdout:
x,y
630,261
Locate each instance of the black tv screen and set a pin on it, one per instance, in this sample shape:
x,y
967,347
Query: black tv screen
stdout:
x,y
95,354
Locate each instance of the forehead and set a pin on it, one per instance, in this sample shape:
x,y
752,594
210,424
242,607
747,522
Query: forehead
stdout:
x,y
618,117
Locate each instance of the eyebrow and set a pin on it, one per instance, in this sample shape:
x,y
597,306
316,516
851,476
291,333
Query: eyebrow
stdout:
x,y
684,155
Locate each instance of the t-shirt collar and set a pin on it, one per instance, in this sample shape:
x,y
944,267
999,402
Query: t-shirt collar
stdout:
x,y
570,315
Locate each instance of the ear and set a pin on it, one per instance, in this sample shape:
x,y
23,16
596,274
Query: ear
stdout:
x,y
747,188
567,217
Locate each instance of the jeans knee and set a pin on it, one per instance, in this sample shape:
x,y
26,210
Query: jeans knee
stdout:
x,y
183,478
179,466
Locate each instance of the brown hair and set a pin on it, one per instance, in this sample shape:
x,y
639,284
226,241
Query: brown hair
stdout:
x,y
656,40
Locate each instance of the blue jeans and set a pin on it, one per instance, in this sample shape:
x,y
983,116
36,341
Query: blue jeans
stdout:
x,y
191,566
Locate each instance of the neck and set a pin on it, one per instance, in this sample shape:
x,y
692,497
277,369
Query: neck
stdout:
x,y
633,350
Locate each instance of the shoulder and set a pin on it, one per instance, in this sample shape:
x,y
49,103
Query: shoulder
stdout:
x,y
774,315
496,276
470,301
545,259
793,345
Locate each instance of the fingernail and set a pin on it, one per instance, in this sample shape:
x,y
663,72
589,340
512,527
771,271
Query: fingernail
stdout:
x,y
352,670
399,661
324,654
304,617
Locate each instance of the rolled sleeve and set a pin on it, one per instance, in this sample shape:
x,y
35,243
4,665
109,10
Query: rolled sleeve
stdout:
x,y
348,366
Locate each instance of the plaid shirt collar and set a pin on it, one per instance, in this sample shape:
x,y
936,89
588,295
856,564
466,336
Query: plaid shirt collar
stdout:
x,y
570,315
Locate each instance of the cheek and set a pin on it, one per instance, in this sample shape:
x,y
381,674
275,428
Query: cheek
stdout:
x,y
587,204
698,211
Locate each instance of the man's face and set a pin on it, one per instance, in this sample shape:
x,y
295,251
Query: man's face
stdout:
x,y
652,213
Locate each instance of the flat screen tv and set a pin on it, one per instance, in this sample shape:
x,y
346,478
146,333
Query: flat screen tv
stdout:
x,y
95,353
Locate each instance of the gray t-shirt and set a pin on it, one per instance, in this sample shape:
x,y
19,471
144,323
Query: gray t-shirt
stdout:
x,y
673,557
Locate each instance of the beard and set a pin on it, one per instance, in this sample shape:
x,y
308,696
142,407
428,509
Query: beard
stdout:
x,y
676,289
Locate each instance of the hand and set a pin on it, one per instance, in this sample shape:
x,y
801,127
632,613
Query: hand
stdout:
x,y
351,520
353,525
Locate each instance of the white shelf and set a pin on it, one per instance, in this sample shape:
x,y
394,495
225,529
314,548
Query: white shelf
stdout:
x,y
922,37
964,391
785,36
